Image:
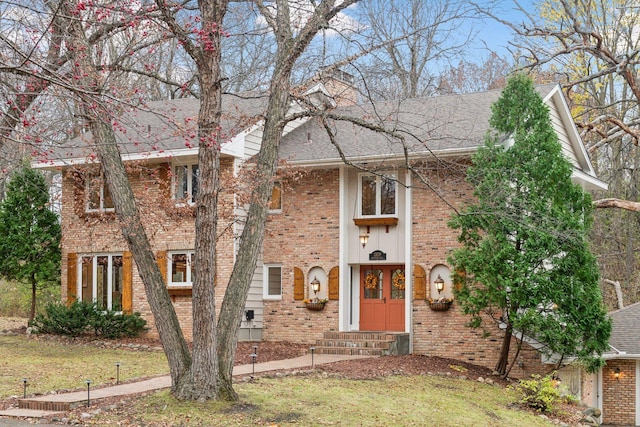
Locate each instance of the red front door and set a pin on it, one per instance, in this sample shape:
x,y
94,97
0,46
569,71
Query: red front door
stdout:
x,y
382,292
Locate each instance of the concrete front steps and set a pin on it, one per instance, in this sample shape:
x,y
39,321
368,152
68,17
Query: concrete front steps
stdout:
x,y
363,343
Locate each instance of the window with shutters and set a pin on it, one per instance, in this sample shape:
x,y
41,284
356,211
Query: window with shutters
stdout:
x,y
101,280
180,267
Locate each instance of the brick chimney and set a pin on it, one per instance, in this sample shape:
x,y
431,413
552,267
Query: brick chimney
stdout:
x,y
340,85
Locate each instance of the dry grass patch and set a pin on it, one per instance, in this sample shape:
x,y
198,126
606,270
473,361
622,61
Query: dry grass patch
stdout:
x,y
52,365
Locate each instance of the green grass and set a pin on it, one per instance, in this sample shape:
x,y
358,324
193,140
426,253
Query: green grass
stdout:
x,y
50,365
318,401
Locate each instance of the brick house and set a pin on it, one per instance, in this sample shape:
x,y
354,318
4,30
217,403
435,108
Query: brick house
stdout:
x,y
373,244
614,388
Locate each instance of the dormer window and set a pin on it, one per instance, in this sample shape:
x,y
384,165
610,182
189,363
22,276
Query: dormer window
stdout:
x,y
378,195
185,183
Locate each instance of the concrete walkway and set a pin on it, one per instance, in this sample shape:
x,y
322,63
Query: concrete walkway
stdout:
x,y
56,404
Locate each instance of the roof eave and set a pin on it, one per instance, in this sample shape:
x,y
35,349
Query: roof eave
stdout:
x,y
394,158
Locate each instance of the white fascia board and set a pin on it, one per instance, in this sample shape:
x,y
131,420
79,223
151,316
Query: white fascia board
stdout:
x,y
588,182
465,152
570,126
232,148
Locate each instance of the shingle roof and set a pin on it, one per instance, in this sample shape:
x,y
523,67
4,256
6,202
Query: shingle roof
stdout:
x,y
165,126
625,332
453,124
448,123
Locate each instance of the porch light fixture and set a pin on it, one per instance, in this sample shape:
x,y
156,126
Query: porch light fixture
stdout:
x,y
616,374
364,238
439,282
315,285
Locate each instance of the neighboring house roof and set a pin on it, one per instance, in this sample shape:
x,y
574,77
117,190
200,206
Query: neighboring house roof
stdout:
x,y
447,125
625,334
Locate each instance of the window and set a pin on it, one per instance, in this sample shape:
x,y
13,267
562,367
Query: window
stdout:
x,y
185,183
181,268
377,195
98,195
102,281
272,280
275,203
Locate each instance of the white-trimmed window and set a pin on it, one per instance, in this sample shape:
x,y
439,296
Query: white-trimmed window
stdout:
x,y
101,280
98,195
378,195
185,183
275,203
272,281
180,268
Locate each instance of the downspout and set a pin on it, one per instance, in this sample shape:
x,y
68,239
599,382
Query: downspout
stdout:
x,y
408,274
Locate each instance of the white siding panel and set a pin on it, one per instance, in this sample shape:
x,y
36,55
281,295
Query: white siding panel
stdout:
x,y
567,148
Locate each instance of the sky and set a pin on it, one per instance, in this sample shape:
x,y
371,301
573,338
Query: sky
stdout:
x,y
496,35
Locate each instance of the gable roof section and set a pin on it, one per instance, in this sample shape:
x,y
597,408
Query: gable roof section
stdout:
x,y
443,126
625,334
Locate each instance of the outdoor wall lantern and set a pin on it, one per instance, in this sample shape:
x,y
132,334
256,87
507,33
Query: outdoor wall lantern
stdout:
x,y
315,285
364,237
439,282
616,374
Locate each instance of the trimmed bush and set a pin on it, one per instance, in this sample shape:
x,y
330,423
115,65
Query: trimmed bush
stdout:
x,y
113,325
81,317
61,319
539,393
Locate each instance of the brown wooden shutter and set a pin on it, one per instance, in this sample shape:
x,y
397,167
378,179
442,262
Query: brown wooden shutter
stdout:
x,y
127,283
419,283
161,258
164,174
298,284
459,279
334,283
72,277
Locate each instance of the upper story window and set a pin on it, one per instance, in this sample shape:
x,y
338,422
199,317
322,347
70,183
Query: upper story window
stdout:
x,y
378,195
275,203
181,268
98,195
185,183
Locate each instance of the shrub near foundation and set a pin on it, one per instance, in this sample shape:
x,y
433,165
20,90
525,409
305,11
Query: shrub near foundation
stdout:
x,y
539,393
80,317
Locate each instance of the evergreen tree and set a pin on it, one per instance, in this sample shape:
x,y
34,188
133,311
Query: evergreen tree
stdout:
x,y
29,233
524,260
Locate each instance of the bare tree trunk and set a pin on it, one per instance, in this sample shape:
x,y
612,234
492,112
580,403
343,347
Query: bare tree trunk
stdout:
x,y
32,312
617,203
252,236
99,117
290,47
618,289
503,360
